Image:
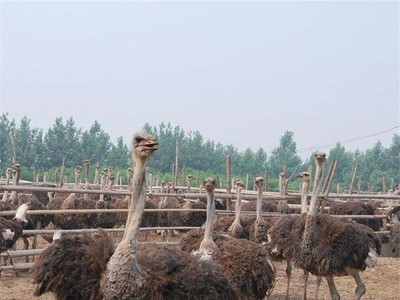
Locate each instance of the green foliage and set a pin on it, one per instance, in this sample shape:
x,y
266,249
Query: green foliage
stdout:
x,y
38,152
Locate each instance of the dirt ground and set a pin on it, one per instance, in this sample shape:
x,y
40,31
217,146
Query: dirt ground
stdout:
x,y
382,283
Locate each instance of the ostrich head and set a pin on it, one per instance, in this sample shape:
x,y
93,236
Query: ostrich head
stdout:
x,y
320,157
85,162
78,170
143,145
258,181
239,185
304,176
16,167
209,184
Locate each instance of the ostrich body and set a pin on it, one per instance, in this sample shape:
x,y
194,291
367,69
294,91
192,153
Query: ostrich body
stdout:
x,y
11,230
71,267
357,208
168,273
245,263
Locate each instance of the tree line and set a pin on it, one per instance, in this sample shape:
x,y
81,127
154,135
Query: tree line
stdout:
x,y
38,150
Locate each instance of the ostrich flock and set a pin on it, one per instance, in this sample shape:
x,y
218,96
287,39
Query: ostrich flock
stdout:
x,y
225,257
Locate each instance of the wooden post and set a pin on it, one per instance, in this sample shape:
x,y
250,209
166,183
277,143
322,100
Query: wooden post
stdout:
x,y
34,175
183,176
198,178
247,182
383,183
96,174
266,181
369,188
228,182
338,188
353,178
329,175
173,171
176,164
62,173
56,177
283,191
329,184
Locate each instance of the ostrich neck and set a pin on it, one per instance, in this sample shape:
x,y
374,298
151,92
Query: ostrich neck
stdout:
x,y
317,185
208,231
311,224
87,176
16,183
77,177
102,187
304,195
137,200
259,203
238,207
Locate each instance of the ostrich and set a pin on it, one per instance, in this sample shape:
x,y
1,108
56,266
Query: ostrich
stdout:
x,y
6,205
236,226
104,220
245,263
77,267
259,229
14,195
236,229
357,208
171,273
11,230
326,246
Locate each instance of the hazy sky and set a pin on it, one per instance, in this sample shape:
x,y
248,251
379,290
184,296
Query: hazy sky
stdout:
x,y
238,72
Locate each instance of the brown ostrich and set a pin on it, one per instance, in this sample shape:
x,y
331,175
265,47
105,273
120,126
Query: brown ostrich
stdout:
x,y
324,245
104,220
168,219
236,229
245,263
11,230
236,226
72,266
156,272
259,229
357,208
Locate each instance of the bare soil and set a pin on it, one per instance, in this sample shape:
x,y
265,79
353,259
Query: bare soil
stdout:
x,y
382,282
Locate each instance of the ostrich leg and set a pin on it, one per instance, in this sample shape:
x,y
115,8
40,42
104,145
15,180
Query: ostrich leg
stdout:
x,y
305,280
288,274
360,290
317,285
332,288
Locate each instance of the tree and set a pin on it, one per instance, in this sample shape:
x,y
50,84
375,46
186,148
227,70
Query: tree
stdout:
x,y
96,144
284,154
63,141
6,152
119,155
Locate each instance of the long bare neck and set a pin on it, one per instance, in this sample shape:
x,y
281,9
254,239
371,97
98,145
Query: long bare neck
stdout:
x,y
208,231
304,196
136,206
77,178
87,176
317,186
16,183
238,207
259,201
